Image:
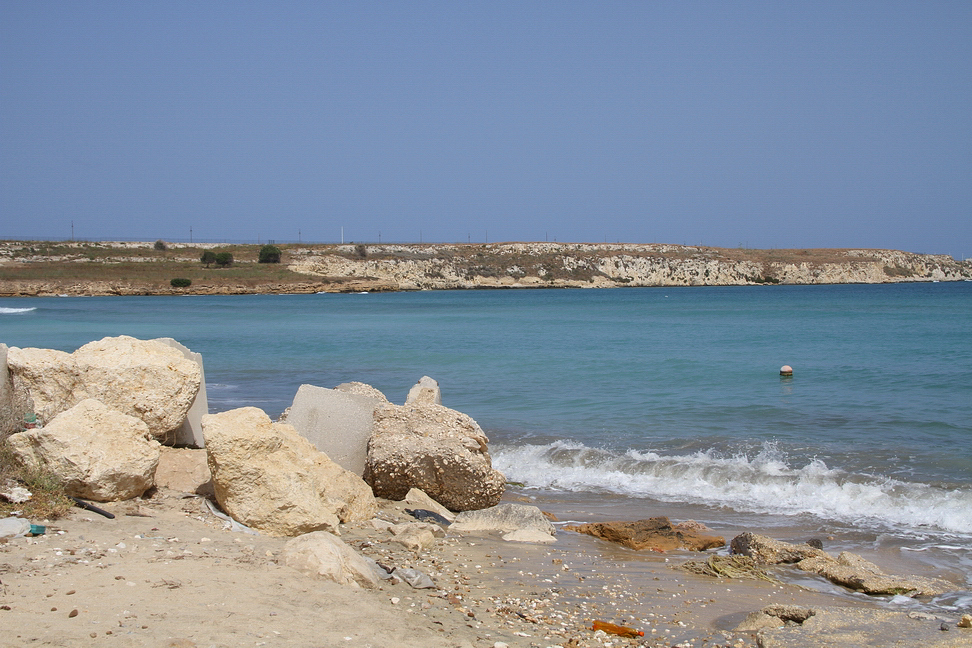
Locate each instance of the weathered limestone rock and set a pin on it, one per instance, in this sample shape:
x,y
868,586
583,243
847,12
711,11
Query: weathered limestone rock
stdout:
x,y
338,423
425,392
324,555
190,432
841,627
100,453
774,616
848,570
419,499
518,522
851,571
270,478
656,534
773,552
434,448
415,535
185,470
361,389
146,379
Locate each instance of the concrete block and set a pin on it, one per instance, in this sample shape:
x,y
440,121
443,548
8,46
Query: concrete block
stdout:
x,y
190,434
338,423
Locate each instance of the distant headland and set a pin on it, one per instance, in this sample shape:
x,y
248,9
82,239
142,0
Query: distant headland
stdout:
x,y
45,268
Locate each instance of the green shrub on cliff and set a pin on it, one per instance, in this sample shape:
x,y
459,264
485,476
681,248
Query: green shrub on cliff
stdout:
x,y
269,254
160,246
180,282
224,259
208,257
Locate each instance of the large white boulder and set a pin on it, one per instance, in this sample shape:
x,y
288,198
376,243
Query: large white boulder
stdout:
x,y
268,477
147,379
326,556
436,449
338,421
98,452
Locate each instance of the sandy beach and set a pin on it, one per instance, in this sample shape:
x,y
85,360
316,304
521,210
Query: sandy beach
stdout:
x,y
165,572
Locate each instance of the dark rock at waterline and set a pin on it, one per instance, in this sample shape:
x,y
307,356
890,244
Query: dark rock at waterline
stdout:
x,y
423,515
656,534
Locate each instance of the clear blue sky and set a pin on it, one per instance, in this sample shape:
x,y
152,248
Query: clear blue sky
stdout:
x,y
766,124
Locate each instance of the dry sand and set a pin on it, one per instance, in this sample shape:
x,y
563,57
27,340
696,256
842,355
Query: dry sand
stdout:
x,y
165,572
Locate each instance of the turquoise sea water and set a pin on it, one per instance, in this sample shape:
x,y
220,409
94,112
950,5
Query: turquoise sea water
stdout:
x,y
651,397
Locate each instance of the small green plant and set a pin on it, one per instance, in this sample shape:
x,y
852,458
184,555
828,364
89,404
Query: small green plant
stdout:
x,y
224,259
180,282
160,246
208,257
48,499
361,250
269,254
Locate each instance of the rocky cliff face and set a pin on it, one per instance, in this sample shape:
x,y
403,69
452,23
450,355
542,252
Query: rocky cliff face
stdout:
x,y
533,265
354,268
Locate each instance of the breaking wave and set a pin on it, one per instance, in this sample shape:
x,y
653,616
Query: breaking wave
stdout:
x,y
14,311
763,483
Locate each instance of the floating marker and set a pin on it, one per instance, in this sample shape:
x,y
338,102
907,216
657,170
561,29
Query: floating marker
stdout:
x,y
786,370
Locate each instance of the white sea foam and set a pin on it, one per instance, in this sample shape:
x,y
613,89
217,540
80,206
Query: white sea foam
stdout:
x,y
763,483
14,311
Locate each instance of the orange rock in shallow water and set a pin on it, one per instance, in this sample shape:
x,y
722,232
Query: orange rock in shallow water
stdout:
x,y
621,631
656,534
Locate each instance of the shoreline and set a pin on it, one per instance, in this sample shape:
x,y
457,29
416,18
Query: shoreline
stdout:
x,y
165,572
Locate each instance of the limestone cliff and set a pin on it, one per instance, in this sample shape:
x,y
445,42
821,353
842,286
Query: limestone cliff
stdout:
x,y
533,265
32,268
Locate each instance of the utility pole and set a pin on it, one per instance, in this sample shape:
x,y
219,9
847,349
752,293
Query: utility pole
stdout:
x,y
190,235
342,235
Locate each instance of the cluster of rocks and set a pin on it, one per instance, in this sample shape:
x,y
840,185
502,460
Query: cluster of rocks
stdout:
x,y
847,569
103,412
109,413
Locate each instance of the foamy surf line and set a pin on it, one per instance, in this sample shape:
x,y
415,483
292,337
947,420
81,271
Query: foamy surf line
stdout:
x,y
760,484
15,311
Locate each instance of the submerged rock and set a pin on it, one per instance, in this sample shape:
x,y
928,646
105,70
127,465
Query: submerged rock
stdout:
x,y
856,573
848,569
768,551
656,534
789,626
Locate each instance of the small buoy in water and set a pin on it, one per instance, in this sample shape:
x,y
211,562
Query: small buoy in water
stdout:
x,y
786,370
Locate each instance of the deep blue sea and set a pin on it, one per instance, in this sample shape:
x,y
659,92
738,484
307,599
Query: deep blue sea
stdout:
x,y
634,400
